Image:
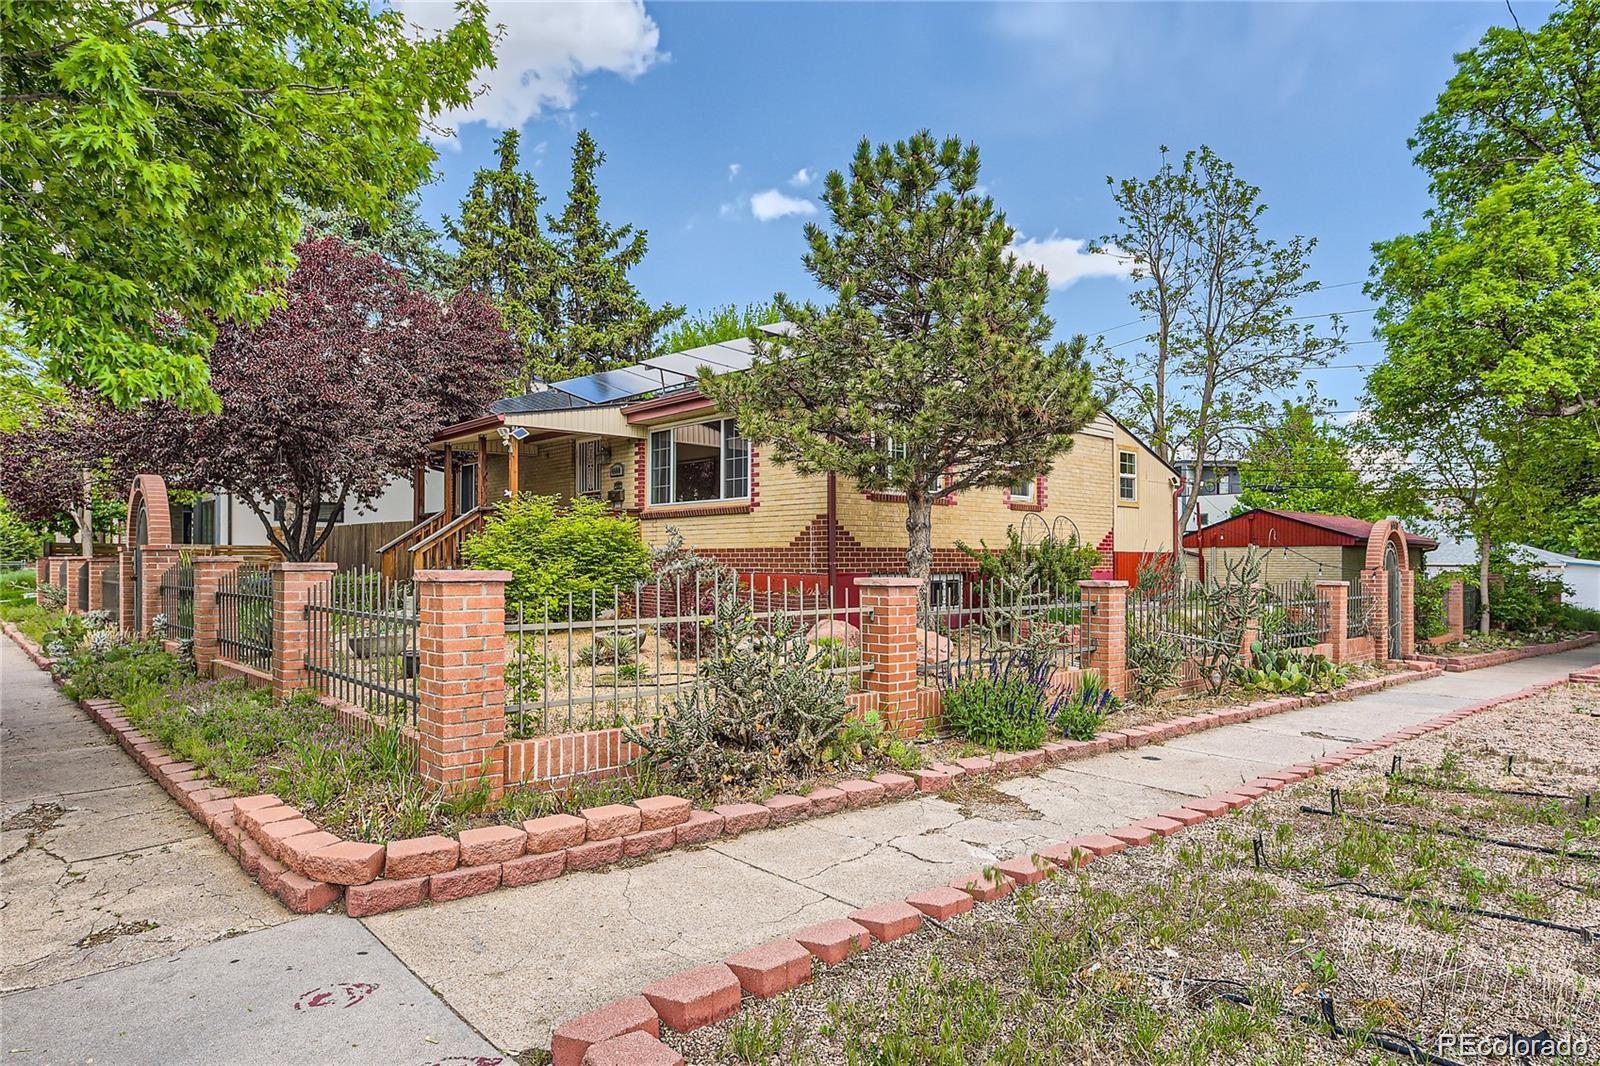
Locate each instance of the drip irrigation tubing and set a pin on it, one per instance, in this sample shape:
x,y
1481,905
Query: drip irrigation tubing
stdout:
x,y
1584,856
1588,935
1395,771
1239,993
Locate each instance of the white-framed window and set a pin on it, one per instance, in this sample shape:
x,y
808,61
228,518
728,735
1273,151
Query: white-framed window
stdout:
x,y
699,462
1127,477
1025,491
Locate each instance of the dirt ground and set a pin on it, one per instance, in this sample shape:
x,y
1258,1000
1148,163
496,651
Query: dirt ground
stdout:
x,y
1237,939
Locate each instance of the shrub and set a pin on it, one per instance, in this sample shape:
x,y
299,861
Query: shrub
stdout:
x,y
573,557
1003,705
1520,599
619,649
119,669
757,709
51,597
1155,662
685,583
1290,671
1427,607
1051,565
1080,715
19,540
1581,619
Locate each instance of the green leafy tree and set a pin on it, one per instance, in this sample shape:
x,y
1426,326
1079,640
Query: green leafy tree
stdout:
x,y
152,150
932,372
503,254
1221,298
1489,312
1300,463
601,320
725,323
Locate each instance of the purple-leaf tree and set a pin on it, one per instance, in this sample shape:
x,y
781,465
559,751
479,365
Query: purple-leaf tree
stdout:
x,y
52,469
335,394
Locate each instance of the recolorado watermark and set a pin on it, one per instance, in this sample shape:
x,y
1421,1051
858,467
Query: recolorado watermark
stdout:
x,y
1572,1047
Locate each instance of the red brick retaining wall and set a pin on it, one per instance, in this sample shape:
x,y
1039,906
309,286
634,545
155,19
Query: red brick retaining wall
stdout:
x,y
1460,663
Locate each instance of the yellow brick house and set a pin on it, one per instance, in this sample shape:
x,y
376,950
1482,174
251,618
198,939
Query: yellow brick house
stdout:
x,y
646,440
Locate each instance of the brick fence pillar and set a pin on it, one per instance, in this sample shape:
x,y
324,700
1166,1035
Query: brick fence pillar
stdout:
x,y
209,571
97,576
291,592
154,564
1455,611
67,571
124,605
461,677
1333,603
1108,632
889,644
41,571
1408,613
1375,584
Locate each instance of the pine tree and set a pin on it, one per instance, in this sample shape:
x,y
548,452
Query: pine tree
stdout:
x,y
504,255
933,372
601,321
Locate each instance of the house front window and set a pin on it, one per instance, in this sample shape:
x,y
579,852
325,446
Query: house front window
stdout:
x,y
1127,477
699,463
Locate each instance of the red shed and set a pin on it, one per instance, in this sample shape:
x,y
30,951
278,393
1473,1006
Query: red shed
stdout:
x,y
1298,544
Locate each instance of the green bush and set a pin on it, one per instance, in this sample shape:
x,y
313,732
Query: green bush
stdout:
x,y
1519,599
1003,706
1080,714
563,557
18,539
1580,619
1427,606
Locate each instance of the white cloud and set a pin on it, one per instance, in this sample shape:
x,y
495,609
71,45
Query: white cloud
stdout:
x,y
803,177
772,204
1067,259
733,170
544,51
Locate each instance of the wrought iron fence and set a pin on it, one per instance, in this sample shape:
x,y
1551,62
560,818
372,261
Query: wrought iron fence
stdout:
x,y
177,599
111,590
1292,616
83,587
978,622
1471,606
1358,612
1188,612
244,617
602,660
361,645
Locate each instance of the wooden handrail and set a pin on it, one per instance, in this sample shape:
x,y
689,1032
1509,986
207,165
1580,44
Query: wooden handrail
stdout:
x,y
419,528
441,550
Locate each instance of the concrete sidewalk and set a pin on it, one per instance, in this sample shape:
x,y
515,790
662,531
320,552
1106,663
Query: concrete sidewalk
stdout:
x,y
517,962
127,936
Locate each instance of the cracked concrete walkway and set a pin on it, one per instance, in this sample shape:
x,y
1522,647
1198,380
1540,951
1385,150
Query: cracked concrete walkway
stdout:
x,y
128,936
516,962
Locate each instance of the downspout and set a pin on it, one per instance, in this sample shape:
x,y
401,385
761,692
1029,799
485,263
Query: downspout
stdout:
x,y
1178,562
833,532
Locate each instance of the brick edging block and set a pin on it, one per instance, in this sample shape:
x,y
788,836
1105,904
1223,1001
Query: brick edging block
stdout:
x,y
700,996
481,860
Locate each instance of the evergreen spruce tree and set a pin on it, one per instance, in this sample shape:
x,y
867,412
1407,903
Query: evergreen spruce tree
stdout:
x,y
601,321
504,255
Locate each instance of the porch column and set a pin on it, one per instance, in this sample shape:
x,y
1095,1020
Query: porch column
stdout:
x,y
449,482
419,492
513,452
483,470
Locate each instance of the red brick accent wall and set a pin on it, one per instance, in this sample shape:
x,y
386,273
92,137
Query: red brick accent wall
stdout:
x,y
808,553
461,645
559,761
291,592
889,643
1108,630
1108,550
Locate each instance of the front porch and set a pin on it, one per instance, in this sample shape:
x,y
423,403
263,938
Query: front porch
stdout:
x,y
590,453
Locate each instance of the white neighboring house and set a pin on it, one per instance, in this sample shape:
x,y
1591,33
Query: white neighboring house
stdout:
x,y
225,519
1581,576
1219,491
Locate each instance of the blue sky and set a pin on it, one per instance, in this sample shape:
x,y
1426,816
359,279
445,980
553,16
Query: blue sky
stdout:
x,y
708,113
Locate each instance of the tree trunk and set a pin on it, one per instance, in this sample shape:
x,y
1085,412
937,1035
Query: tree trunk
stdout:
x,y
919,548
1483,583
86,521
